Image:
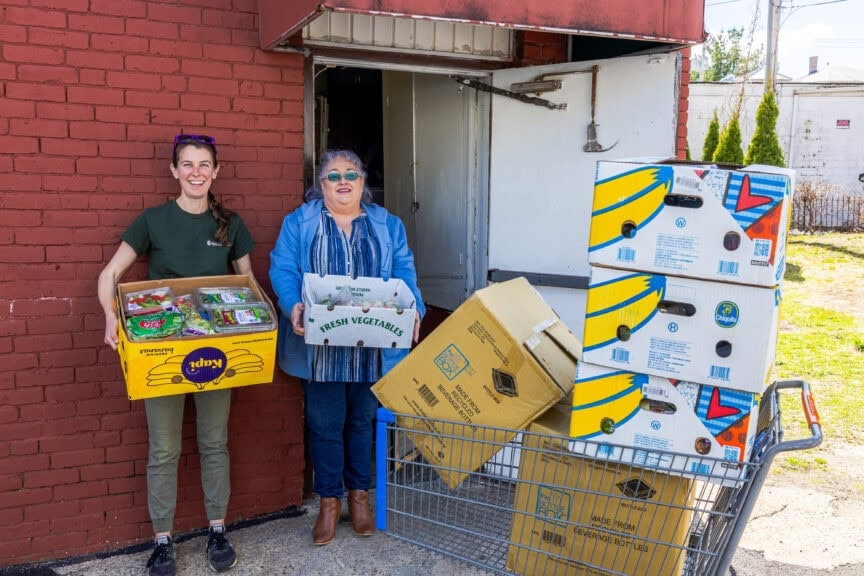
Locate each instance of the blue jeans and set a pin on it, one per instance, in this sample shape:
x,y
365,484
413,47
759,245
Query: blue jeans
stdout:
x,y
340,417
164,425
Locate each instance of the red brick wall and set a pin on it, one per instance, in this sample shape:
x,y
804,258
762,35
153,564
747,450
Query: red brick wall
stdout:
x,y
683,106
91,94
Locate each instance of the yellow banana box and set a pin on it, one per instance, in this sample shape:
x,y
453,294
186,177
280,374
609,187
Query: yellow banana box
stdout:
x,y
700,221
705,332
499,360
678,427
180,364
577,516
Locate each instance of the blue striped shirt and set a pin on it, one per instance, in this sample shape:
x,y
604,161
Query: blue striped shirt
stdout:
x,y
333,252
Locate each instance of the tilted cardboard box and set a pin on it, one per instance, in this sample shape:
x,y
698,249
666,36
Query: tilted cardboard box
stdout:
x,y
501,359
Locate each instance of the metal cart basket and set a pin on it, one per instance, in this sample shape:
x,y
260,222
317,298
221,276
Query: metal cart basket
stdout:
x,y
539,508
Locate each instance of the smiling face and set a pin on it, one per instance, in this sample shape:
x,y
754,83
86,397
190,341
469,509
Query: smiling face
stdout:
x,y
342,195
195,170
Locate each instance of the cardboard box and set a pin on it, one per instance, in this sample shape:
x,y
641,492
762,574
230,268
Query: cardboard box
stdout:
x,y
704,332
676,426
700,221
577,516
345,311
179,364
501,359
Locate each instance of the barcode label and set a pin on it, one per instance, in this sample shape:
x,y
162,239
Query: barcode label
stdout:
x,y
726,267
620,355
690,183
554,538
719,373
428,396
649,390
626,254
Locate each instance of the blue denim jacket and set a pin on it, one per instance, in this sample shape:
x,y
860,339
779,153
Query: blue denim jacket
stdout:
x,y
289,260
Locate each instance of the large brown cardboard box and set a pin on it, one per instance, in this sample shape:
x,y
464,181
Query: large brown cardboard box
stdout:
x,y
500,360
575,516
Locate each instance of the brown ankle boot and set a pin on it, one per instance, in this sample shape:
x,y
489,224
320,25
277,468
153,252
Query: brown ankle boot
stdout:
x,y
358,509
328,517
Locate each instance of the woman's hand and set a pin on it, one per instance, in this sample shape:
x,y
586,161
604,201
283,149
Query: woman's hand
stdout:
x,y
297,318
416,326
111,330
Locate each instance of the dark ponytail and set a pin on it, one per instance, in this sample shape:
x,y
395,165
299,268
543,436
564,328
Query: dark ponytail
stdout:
x,y
222,216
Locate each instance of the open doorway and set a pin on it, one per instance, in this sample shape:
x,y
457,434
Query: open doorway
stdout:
x,y
415,133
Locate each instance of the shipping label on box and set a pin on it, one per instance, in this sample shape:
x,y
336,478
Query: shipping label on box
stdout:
x,y
689,220
180,364
705,332
501,359
676,426
575,516
358,312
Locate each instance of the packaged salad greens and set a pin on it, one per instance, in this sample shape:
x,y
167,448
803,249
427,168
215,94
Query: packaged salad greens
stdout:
x,y
148,301
156,325
226,295
194,323
240,317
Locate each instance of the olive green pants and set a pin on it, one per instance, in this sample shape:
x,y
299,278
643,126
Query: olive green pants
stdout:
x,y
164,424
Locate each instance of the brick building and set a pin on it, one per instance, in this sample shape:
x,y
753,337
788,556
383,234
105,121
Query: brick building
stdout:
x,y
91,94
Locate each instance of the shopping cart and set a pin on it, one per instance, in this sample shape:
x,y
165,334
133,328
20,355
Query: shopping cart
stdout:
x,y
542,510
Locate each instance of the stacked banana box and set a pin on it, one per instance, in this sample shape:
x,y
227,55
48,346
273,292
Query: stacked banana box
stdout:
x,y
682,312
679,340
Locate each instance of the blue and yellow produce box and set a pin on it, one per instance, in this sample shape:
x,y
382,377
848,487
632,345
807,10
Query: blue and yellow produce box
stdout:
x,y
195,334
700,221
704,332
677,427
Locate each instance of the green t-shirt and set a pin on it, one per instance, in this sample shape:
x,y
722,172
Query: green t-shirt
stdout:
x,y
179,244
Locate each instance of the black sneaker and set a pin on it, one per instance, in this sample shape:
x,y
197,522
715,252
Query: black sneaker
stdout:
x,y
220,554
161,562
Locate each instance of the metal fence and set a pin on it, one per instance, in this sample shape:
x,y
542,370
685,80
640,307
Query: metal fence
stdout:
x,y
841,213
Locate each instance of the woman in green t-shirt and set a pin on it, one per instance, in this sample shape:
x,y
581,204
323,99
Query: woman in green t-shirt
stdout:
x,y
190,235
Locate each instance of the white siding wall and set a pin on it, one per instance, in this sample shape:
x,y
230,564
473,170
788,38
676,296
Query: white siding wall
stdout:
x,y
812,141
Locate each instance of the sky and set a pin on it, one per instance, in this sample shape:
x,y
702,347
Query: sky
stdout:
x,y
833,30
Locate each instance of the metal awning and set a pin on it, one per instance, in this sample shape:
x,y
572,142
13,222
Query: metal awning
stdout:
x,y
678,22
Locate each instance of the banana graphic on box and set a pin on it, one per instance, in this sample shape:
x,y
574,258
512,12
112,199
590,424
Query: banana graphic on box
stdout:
x,y
599,401
170,372
629,301
633,198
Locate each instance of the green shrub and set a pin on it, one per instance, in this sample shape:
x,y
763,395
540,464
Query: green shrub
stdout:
x,y
765,146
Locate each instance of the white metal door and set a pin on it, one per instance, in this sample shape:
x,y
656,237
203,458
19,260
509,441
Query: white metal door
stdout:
x,y
541,178
430,179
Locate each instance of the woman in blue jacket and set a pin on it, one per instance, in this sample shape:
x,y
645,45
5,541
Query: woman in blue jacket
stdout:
x,y
338,230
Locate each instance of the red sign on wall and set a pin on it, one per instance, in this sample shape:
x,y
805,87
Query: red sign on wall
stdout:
x,y
844,124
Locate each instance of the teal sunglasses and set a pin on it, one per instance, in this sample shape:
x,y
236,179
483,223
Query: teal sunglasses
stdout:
x,y
350,176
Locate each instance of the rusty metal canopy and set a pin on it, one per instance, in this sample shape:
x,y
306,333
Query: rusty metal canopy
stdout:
x,y
669,21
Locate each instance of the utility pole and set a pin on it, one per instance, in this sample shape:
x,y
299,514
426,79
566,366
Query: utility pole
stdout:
x,y
771,48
